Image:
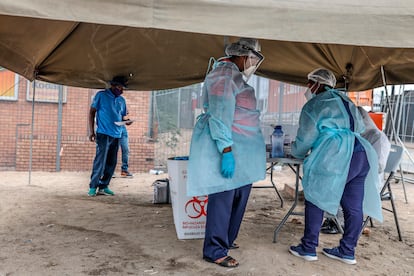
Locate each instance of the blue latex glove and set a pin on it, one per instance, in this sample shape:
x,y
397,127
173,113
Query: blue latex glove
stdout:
x,y
227,165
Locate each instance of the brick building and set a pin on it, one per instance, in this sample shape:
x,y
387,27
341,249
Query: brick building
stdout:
x,y
60,131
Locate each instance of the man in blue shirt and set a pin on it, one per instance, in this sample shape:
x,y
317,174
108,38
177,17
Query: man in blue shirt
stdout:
x,y
107,108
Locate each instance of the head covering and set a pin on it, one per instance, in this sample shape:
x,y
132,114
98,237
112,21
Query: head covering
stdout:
x,y
323,76
249,47
243,47
119,80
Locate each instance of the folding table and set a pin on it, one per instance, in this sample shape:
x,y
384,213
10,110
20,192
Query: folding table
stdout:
x,y
294,164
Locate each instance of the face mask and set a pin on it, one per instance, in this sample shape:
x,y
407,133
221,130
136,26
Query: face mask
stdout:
x,y
249,72
308,94
251,64
116,91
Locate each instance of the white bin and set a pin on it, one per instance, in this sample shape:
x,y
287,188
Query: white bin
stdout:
x,y
189,212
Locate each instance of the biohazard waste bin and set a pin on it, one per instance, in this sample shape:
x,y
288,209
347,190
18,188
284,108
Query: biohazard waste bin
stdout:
x,y
189,212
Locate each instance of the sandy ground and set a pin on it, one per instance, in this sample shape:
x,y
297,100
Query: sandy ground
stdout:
x,y
52,227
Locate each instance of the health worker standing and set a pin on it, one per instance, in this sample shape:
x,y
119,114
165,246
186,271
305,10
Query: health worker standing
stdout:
x,y
341,168
227,148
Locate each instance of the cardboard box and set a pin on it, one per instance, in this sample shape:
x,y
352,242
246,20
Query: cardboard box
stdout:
x,y
189,212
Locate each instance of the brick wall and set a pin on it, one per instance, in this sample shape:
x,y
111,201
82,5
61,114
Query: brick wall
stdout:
x,y
76,152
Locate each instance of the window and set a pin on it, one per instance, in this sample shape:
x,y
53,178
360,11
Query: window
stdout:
x,y
9,85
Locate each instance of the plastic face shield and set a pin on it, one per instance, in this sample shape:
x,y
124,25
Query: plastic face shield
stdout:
x,y
253,61
255,58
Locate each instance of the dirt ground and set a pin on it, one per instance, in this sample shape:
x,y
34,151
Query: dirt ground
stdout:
x,y
51,227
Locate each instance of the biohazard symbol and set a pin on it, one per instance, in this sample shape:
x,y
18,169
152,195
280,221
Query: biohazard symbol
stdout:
x,y
196,207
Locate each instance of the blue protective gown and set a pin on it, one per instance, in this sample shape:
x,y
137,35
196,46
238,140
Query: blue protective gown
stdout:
x,y
324,131
230,119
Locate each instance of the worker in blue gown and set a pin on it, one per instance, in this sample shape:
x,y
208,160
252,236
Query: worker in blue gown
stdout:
x,y
340,167
227,151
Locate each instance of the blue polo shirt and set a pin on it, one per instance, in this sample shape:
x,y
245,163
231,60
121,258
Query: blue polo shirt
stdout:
x,y
109,109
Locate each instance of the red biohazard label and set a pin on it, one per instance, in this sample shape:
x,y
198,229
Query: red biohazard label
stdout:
x,y
196,207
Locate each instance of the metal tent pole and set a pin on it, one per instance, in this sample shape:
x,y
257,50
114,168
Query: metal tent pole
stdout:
x,y
31,132
59,147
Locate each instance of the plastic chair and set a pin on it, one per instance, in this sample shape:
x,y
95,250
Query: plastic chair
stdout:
x,y
393,162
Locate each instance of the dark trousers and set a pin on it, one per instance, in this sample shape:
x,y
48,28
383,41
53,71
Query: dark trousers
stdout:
x,y
351,203
105,160
225,212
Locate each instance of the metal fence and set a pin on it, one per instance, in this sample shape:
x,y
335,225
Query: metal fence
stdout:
x,y
175,111
402,110
173,117
400,122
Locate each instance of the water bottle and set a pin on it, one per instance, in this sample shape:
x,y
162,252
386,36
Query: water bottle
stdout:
x,y
277,142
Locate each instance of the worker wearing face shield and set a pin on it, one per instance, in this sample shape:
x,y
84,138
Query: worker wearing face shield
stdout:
x,y
340,167
227,151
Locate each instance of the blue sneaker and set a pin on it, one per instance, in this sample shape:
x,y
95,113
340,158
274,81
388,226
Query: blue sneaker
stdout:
x,y
92,192
334,253
299,252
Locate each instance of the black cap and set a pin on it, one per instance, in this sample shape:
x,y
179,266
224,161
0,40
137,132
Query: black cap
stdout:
x,y
119,80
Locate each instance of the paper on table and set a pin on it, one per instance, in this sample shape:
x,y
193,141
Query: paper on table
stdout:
x,y
122,123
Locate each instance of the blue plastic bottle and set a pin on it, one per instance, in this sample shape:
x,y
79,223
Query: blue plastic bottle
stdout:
x,y
277,142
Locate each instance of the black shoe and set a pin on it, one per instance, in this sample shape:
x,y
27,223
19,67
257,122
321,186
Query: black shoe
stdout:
x,y
126,174
386,196
327,222
329,227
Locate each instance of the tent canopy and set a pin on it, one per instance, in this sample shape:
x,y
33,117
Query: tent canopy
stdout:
x,y
167,43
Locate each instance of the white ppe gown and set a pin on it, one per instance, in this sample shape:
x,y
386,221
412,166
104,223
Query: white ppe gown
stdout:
x,y
230,119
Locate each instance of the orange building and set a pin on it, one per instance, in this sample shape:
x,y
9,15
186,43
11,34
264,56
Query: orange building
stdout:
x,y
364,98
361,98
